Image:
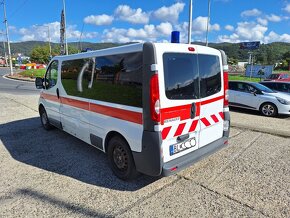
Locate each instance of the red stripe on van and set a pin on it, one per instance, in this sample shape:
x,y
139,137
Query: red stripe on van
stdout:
x,y
122,114
131,116
212,100
215,119
205,122
49,97
222,115
165,132
183,112
193,126
76,103
179,129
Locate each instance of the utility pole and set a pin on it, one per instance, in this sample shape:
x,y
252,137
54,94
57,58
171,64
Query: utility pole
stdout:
x,y
208,22
190,22
65,39
7,36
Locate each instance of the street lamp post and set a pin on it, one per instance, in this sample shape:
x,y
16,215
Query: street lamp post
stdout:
x,y
208,22
4,47
48,36
64,12
190,22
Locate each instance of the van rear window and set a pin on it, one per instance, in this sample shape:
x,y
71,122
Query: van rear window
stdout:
x,y
191,76
181,76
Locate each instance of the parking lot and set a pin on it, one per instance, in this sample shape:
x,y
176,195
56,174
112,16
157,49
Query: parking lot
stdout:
x,y
49,174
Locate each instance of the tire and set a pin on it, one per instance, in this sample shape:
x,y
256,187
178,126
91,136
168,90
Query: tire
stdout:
x,y
269,110
44,119
120,159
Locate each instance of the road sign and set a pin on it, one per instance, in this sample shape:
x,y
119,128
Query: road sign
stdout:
x,y
250,45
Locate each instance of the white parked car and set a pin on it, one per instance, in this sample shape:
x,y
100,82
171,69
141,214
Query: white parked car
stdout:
x,y
255,96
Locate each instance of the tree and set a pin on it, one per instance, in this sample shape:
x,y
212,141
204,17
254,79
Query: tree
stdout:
x,y
286,60
40,55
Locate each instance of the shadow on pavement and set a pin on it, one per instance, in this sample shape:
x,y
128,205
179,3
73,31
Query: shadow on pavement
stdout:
x,y
55,202
61,153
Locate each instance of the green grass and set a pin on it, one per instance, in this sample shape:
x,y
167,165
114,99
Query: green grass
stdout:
x,y
33,73
243,78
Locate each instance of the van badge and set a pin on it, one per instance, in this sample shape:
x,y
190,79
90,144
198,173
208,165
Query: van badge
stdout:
x,y
172,119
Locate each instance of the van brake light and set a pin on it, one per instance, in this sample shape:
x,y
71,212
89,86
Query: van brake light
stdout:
x,y
226,89
154,98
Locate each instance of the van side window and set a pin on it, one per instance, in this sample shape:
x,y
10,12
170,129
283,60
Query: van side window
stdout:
x,y
51,75
119,78
114,78
75,76
210,75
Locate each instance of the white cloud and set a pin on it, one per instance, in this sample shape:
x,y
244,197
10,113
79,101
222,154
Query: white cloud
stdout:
x,y
251,13
199,26
229,28
136,16
246,31
40,33
169,14
99,20
262,21
274,37
273,18
287,8
150,32
165,28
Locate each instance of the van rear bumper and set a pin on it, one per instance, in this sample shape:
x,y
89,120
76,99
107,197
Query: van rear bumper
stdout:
x,y
187,160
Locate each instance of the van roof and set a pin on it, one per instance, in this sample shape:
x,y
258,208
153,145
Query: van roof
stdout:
x,y
118,50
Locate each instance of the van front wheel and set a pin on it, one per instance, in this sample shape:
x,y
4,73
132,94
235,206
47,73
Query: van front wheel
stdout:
x,y
44,119
120,159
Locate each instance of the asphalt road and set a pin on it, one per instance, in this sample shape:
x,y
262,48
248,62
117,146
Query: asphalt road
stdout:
x,y
14,86
52,174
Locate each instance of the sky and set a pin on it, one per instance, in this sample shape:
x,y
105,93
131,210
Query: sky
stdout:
x,y
151,20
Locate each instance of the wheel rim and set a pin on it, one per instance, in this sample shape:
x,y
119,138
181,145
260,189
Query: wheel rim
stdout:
x,y
120,158
268,110
44,118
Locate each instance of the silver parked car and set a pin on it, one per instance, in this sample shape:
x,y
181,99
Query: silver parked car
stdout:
x,y
255,96
278,86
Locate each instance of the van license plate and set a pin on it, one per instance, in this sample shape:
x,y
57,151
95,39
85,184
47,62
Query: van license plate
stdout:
x,y
177,148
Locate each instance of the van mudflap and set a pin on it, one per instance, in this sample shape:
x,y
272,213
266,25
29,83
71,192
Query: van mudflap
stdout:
x,y
149,160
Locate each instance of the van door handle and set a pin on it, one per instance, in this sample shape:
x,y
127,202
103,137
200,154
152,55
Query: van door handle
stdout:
x,y
193,111
57,93
182,137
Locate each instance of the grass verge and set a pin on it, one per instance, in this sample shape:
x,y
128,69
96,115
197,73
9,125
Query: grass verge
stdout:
x,y
33,73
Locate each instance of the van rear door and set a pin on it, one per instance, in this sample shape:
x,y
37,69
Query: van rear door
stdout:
x,y
179,103
211,95
191,98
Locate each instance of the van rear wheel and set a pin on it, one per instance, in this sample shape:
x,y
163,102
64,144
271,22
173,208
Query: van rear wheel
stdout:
x,y
120,159
44,119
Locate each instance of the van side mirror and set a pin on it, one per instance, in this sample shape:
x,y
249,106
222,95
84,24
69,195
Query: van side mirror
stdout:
x,y
39,83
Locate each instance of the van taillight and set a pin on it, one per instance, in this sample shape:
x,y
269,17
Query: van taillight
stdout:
x,y
154,98
226,89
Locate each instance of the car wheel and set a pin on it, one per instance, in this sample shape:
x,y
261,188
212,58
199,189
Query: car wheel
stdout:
x,y
44,119
269,110
120,159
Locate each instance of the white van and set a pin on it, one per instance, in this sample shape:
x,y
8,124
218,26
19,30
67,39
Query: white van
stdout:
x,y
153,108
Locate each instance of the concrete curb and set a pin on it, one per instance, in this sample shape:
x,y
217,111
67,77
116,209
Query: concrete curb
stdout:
x,y
19,78
276,132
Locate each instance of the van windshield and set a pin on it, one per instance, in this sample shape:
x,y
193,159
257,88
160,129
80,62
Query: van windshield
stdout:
x,y
191,76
